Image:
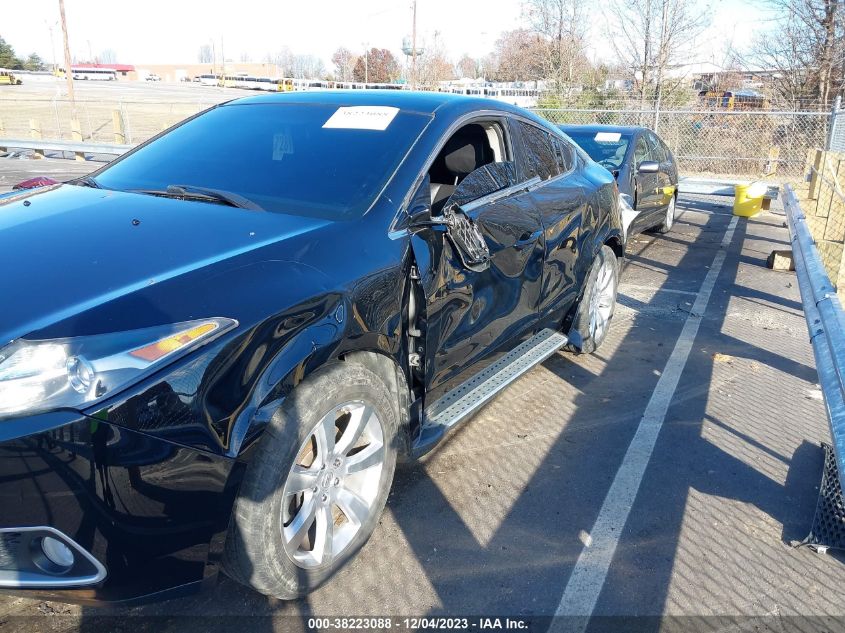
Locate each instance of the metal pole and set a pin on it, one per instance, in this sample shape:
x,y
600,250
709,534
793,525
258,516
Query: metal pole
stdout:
x,y
834,116
414,47
68,73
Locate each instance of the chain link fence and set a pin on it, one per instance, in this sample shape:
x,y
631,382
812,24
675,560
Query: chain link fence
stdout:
x,y
707,142
712,142
99,121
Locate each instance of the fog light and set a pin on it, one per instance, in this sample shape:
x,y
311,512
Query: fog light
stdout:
x,y
57,552
80,374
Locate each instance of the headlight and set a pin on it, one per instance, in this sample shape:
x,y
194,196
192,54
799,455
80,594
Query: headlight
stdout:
x,y
76,372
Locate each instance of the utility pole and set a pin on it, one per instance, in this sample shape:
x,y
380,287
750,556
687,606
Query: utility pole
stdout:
x,y
414,46
68,73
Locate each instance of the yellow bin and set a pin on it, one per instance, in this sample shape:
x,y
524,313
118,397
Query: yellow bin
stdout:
x,y
748,199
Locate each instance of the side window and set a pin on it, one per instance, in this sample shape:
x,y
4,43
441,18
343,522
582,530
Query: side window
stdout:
x,y
655,148
564,154
472,164
640,151
667,153
483,181
540,159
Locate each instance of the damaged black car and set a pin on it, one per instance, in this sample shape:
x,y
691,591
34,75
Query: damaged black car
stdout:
x,y
214,350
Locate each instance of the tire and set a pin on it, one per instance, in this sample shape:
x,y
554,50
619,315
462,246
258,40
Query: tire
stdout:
x,y
669,219
599,299
259,552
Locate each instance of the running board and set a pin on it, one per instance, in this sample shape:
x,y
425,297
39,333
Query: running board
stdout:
x,y
465,399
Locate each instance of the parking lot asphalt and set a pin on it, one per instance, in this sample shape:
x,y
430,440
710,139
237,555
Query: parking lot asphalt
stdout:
x,y
554,476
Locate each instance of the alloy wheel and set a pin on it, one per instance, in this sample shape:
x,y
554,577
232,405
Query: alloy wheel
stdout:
x,y
602,299
333,484
670,214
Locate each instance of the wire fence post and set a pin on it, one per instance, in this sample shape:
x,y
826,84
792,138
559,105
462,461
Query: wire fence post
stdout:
x,y
836,132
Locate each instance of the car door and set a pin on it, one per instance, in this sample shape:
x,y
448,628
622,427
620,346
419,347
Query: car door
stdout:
x,y
481,275
560,198
665,186
645,186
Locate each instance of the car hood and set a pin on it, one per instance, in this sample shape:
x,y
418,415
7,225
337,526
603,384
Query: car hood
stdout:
x,y
66,249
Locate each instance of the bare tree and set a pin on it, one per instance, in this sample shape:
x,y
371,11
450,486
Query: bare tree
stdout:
x,y
108,56
563,26
284,60
467,67
344,64
205,54
307,67
434,66
245,57
650,37
806,49
518,56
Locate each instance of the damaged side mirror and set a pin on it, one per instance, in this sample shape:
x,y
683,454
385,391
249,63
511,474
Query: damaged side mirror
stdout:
x,y
465,236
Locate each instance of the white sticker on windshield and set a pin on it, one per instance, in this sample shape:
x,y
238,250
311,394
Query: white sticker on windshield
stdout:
x,y
362,118
608,137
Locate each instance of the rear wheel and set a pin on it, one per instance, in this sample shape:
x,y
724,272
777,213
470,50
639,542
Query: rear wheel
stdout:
x,y
314,492
595,311
669,220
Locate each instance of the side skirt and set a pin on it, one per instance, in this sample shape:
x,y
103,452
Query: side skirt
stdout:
x,y
462,401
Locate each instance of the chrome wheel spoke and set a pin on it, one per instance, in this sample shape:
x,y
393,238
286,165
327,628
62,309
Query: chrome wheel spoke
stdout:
x,y
301,479
323,551
359,418
324,434
353,506
366,458
296,531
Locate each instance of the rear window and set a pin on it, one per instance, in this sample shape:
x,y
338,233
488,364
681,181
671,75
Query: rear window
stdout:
x,y
284,157
606,148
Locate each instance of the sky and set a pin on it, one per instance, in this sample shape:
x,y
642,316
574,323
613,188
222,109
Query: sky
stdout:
x,y
172,31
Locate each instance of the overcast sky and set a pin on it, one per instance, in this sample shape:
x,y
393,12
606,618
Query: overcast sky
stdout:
x,y
171,31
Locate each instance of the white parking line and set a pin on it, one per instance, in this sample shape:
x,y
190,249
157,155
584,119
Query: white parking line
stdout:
x,y
588,576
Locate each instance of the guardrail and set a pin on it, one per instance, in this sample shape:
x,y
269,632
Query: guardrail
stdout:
x,y
710,187
78,148
825,323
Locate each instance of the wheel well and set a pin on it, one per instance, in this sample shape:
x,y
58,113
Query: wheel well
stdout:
x,y
391,373
615,245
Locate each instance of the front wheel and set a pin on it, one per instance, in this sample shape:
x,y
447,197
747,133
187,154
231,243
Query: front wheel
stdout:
x,y
595,310
313,493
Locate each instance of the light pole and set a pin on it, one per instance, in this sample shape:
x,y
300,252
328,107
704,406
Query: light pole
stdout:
x,y
52,44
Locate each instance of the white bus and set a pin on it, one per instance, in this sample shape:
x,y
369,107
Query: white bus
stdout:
x,y
210,80
94,74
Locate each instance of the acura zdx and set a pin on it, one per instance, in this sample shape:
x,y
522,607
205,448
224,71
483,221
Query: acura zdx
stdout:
x,y
214,349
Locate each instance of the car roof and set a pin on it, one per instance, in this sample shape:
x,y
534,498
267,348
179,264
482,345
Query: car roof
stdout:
x,y
417,101
595,128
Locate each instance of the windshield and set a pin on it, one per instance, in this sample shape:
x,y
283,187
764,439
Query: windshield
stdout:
x,y
606,148
281,157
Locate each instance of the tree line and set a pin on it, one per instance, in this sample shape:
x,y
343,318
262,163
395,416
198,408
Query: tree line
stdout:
x,y
9,60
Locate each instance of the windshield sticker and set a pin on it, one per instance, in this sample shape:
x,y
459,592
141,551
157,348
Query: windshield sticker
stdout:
x,y
608,137
362,118
282,145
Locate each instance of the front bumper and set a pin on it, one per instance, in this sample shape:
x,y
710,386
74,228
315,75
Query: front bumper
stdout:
x,y
151,513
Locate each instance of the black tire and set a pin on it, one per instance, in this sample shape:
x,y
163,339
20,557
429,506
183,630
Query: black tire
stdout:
x,y
590,341
255,553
